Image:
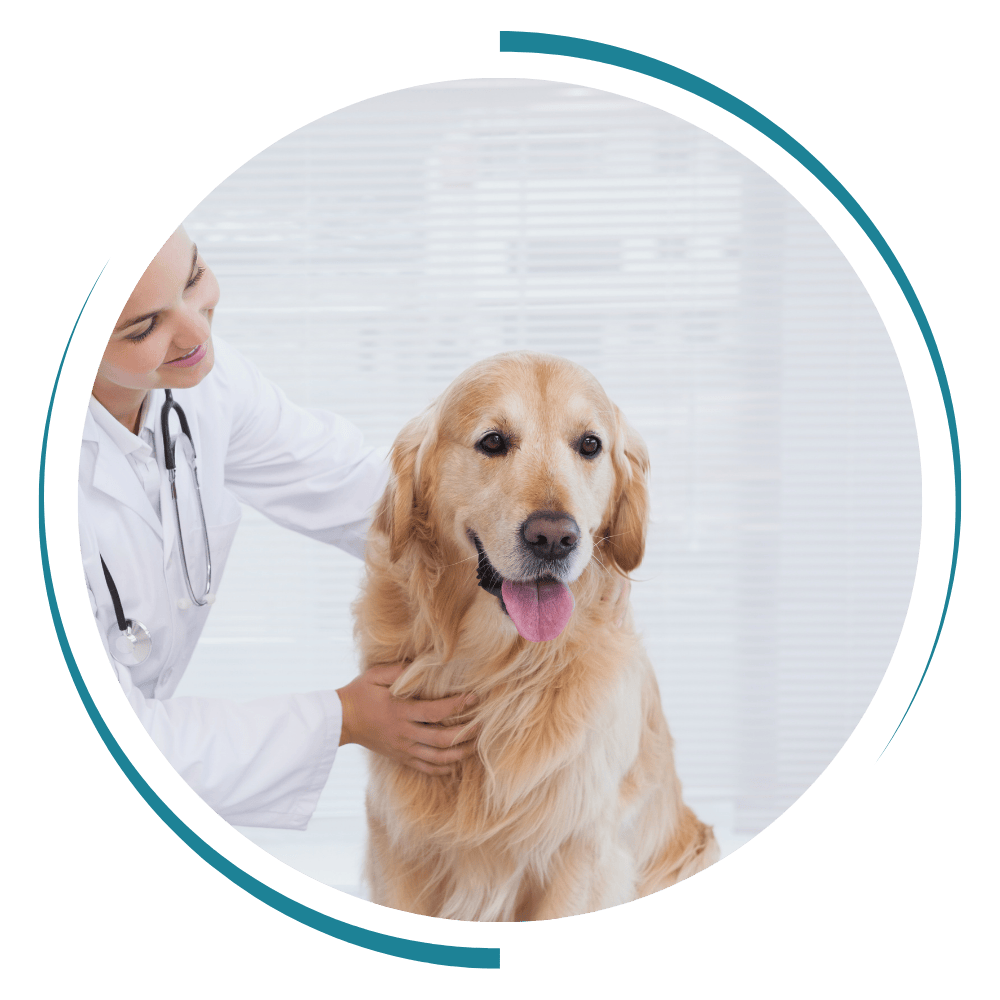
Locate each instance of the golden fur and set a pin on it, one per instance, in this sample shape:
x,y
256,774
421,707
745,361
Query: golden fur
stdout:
x,y
571,802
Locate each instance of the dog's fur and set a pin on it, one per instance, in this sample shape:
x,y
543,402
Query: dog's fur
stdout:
x,y
571,802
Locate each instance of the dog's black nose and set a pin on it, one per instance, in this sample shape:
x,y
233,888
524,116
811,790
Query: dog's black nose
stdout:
x,y
550,535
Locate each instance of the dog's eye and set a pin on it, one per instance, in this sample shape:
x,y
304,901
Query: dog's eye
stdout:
x,y
590,445
493,444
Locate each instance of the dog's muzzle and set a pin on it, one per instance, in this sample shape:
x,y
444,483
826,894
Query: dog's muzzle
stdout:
x,y
540,607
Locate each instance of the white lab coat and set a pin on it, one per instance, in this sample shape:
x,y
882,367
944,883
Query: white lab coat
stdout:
x,y
261,763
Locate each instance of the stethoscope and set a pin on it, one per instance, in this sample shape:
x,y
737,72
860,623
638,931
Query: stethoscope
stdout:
x,y
129,640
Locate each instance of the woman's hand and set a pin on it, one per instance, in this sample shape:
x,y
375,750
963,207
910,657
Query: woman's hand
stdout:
x,y
407,730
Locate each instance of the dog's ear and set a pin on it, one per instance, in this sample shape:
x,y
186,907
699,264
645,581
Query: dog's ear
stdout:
x,y
626,531
401,513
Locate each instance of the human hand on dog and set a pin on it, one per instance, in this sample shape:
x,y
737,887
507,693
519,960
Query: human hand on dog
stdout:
x,y
407,730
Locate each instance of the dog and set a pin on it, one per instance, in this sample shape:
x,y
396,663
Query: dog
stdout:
x,y
516,507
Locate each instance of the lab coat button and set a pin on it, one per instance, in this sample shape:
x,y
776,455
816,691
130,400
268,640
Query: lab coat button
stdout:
x,y
183,603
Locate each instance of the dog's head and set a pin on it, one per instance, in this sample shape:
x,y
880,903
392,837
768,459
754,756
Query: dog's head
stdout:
x,y
525,465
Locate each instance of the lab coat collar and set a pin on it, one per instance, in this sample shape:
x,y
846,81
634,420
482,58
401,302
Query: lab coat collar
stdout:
x,y
113,474
100,419
123,438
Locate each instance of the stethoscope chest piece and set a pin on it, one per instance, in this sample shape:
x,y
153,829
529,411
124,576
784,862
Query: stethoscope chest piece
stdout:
x,y
129,641
132,645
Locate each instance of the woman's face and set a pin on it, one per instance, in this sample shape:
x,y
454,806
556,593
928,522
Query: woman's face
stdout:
x,y
163,338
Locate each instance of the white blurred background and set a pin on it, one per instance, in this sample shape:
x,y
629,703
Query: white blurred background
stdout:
x,y
368,258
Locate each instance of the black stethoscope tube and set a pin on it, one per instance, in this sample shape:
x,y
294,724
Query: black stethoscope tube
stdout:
x,y
169,461
123,622
138,639
133,643
168,445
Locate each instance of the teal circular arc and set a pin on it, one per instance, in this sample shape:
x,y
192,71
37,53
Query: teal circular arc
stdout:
x,y
420,951
611,55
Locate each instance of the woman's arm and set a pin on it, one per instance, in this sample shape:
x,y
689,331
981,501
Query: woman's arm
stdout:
x,y
307,470
256,763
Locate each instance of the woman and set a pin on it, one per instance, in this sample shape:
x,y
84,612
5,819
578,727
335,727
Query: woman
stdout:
x,y
263,763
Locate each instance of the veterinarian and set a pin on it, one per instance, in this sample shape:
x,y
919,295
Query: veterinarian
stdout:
x,y
262,763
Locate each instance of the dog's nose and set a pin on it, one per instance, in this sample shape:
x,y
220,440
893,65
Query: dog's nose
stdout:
x,y
550,535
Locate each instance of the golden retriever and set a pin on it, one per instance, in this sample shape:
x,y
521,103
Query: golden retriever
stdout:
x,y
518,503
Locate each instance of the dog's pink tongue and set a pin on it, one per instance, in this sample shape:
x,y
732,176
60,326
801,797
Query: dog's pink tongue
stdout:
x,y
539,609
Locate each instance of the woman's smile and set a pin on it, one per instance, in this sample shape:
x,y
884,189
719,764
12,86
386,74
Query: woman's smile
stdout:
x,y
188,360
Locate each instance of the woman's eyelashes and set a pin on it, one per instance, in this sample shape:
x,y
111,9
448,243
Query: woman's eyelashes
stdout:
x,y
138,338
